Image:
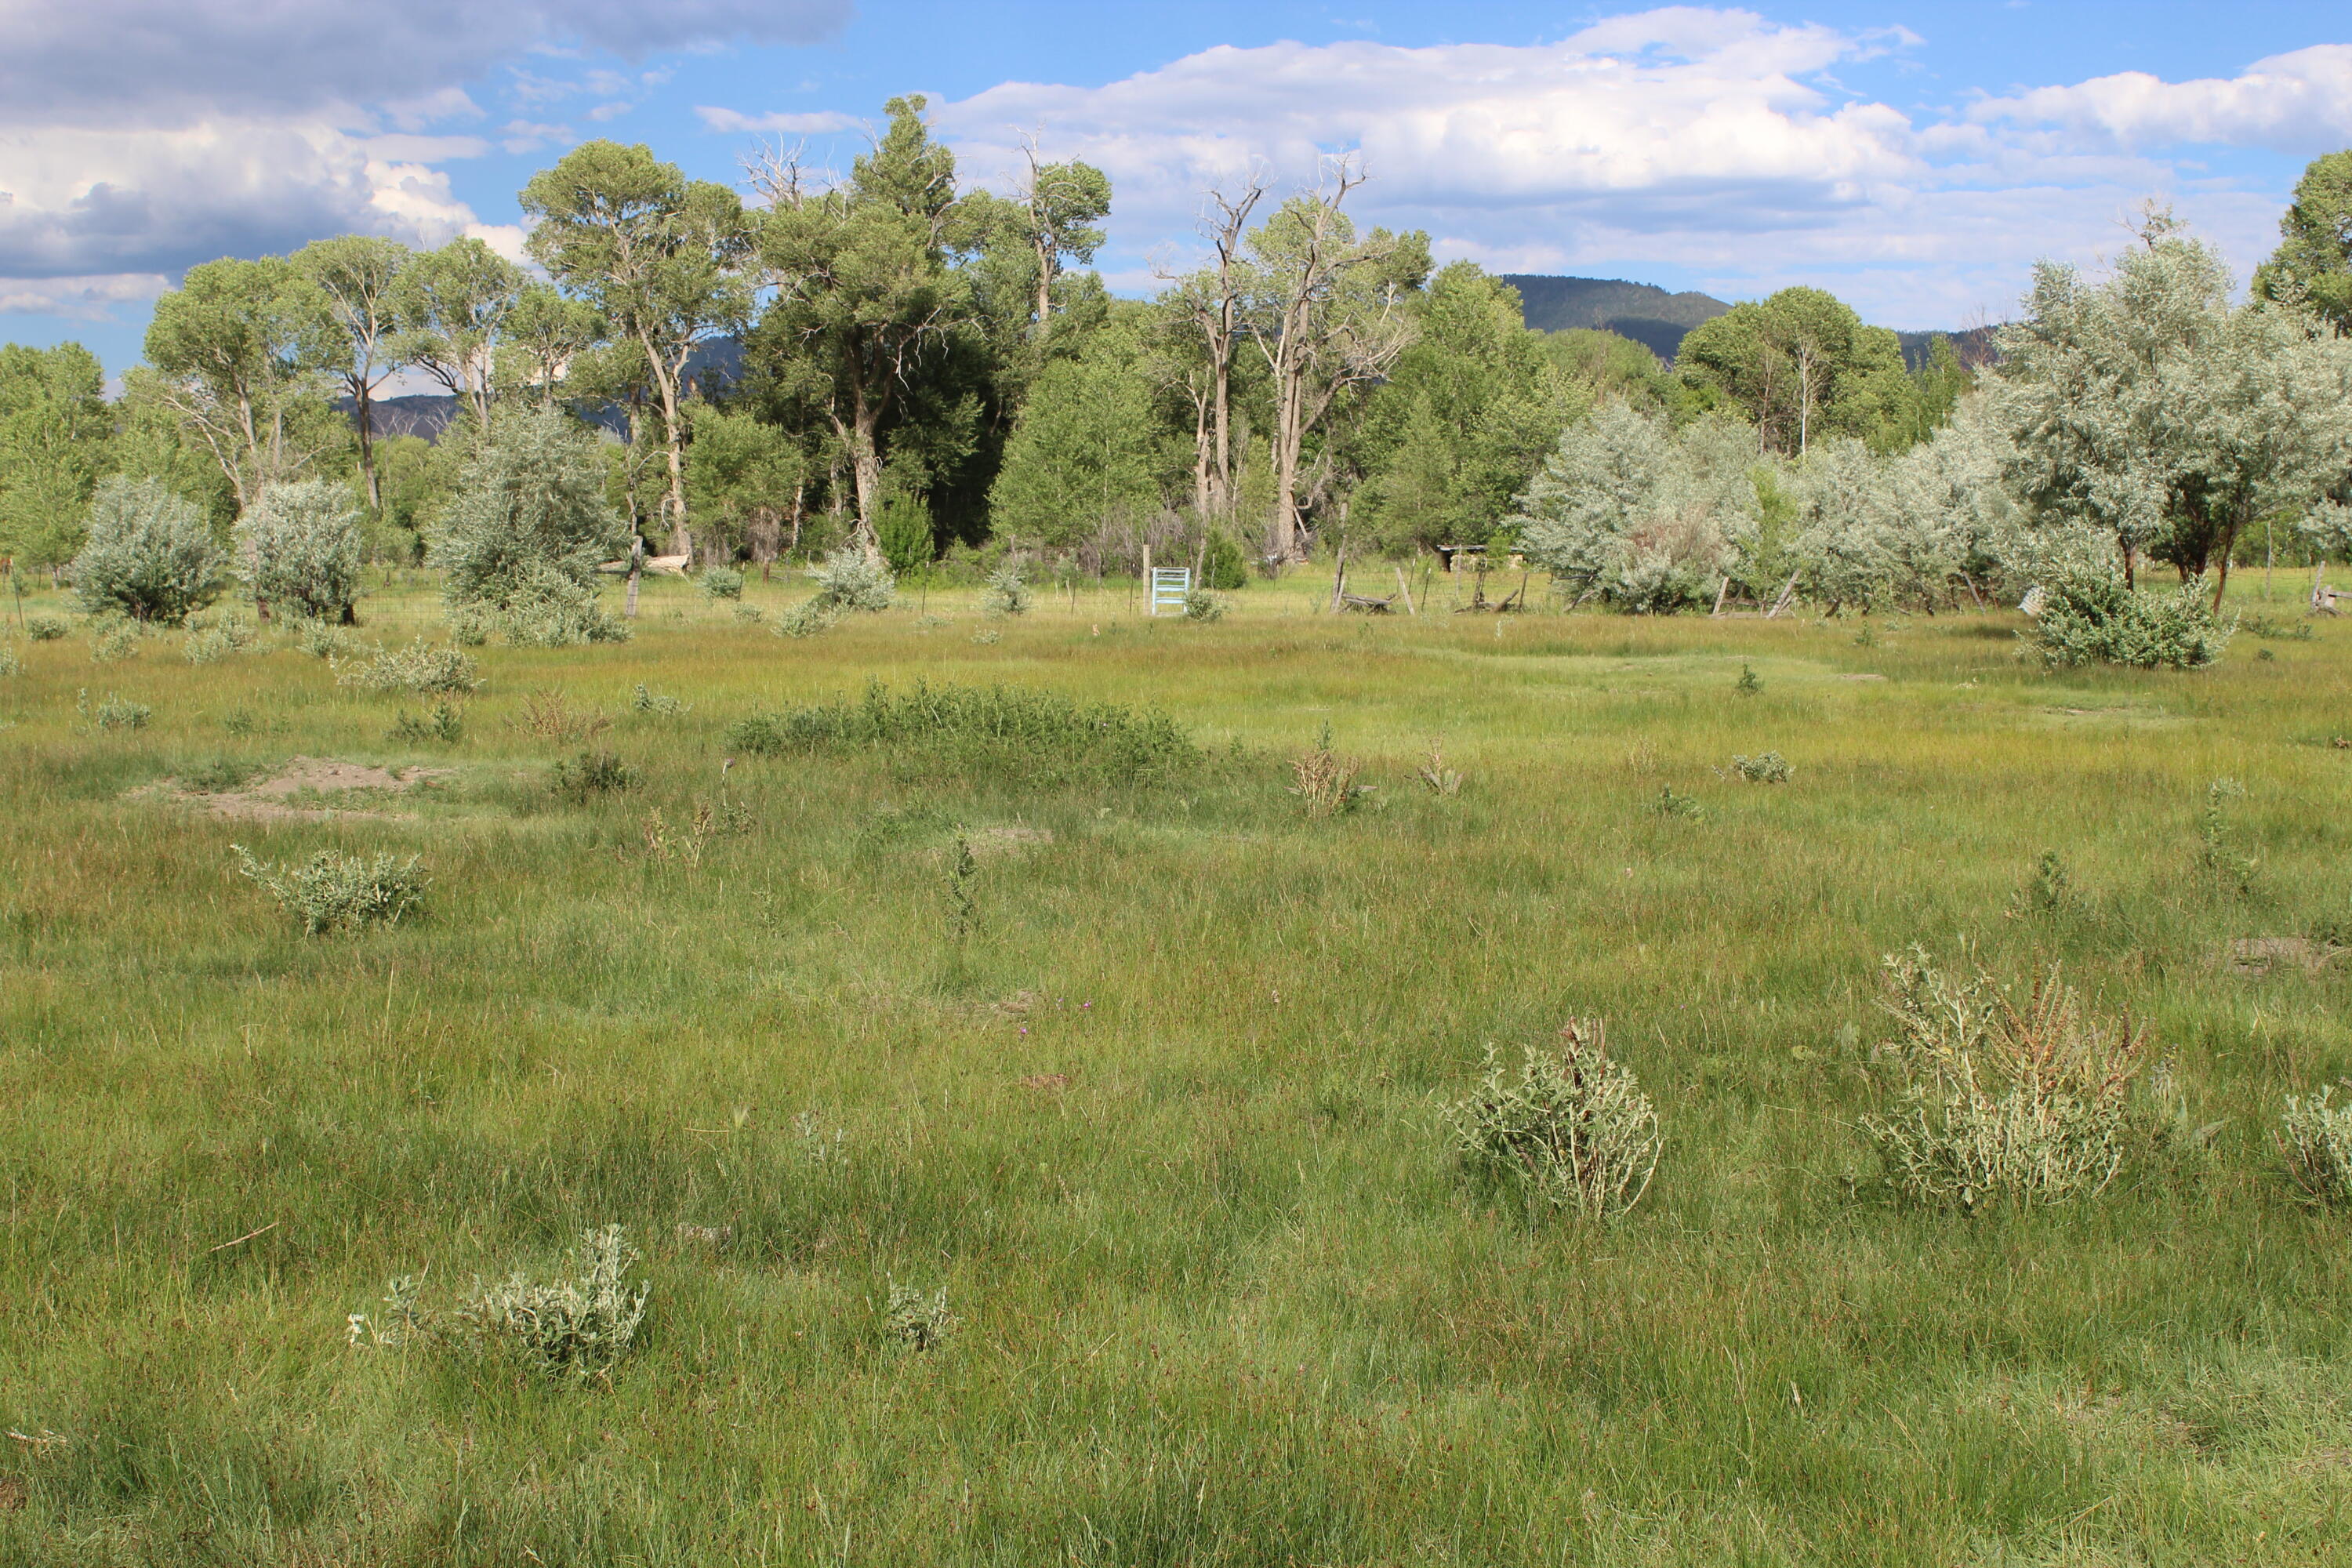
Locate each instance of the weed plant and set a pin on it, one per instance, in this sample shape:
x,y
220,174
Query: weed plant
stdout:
x,y
334,891
1573,1132
47,628
419,667
444,723
2316,1138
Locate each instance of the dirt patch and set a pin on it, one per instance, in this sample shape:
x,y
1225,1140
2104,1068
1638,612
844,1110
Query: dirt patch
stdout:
x,y
1047,1082
2260,954
273,799
13,1494
1861,678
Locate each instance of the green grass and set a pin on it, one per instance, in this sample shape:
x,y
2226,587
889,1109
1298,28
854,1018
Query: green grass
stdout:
x,y
1223,1296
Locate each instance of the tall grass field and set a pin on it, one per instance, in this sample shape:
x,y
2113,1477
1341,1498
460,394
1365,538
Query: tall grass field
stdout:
x,y
1029,1109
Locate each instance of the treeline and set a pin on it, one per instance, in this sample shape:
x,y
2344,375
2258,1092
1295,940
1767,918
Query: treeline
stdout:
x,y
891,361
923,368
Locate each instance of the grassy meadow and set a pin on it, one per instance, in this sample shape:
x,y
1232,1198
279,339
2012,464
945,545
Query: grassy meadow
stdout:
x,y
1152,1094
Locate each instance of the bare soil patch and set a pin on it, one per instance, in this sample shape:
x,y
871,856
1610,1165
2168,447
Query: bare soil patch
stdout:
x,y
990,841
286,795
2260,954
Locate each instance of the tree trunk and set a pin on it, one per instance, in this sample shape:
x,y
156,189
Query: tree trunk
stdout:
x,y
364,397
636,570
866,464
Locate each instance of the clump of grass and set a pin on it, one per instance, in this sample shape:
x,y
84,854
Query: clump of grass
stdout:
x,y
214,636
749,615
1040,737
324,639
46,628
444,721
918,1321
2264,627
1771,768
1748,685
599,771
2217,847
11,661
1325,781
214,775
1574,1133
420,668
1998,1103
2315,1137
643,701
335,892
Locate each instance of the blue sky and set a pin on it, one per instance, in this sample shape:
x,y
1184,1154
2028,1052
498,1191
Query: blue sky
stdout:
x,y
1915,158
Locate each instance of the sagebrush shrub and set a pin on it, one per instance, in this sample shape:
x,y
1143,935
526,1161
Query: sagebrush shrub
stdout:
x,y
211,642
11,661
1770,768
1007,594
151,554
849,579
2316,1137
645,701
115,712
576,1325
322,639
420,668
1671,804
46,628
722,583
808,619
300,548
1039,736
527,526
2031,1105
1573,1132
112,641
2087,615
335,892
1200,605
916,1320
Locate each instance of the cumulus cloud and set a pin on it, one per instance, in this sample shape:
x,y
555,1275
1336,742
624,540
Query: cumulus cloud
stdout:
x,y
122,163
1712,141
2292,102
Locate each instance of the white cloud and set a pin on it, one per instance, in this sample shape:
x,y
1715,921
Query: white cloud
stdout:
x,y
823,123
138,137
1711,141
2298,103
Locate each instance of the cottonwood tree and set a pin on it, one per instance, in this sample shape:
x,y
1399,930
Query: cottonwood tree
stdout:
x,y
1091,448
359,274
2150,409
452,305
2313,261
1796,365
242,351
1210,309
661,259
865,297
55,440
545,334
1326,312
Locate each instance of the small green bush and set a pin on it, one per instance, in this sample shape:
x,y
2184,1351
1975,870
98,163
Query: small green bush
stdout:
x,y
11,661
1007,594
2317,1140
1222,567
1771,768
597,771
419,667
335,892
116,712
904,532
322,639
1200,605
1575,1133
112,641
2088,616
208,644
150,554
645,701
444,721
1038,736
722,583
301,548
577,1325
848,580
46,628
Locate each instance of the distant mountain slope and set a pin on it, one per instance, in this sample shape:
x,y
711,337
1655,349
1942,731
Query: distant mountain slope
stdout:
x,y
1657,320
1641,311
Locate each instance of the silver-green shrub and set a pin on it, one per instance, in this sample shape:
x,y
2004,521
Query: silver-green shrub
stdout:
x,y
1007,594
1573,1132
212,637
112,641
11,661
920,1321
849,579
2087,615
1996,1103
323,639
721,583
576,1325
807,618
1770,768
2316,1139
46,628
151,554
300,548
335,892
1200,605
523,536
420,668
